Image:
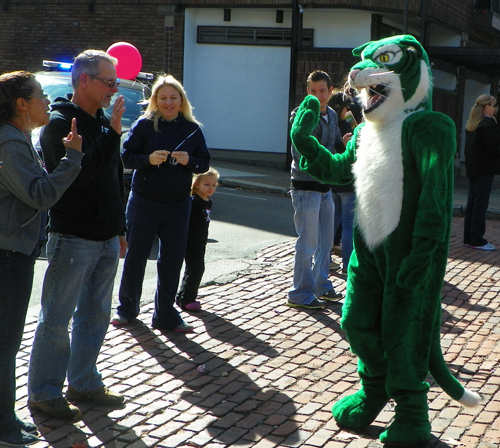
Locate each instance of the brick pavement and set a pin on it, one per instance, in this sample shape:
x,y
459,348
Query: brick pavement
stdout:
x,y
271,373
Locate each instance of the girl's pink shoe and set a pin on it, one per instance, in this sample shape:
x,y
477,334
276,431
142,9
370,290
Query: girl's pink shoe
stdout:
x,y
192,306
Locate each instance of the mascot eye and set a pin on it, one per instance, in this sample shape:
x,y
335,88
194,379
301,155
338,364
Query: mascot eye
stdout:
x,y
386,57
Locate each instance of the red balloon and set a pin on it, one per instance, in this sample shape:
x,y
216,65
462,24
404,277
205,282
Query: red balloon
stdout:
x,y
129,59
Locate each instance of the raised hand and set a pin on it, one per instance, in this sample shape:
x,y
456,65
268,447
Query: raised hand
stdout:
x,y
117,114
73,139
306,119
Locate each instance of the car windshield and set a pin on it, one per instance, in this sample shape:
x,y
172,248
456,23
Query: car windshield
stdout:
x,y
55,87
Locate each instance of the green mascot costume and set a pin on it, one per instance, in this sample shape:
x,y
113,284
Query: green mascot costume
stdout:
x,y
402,160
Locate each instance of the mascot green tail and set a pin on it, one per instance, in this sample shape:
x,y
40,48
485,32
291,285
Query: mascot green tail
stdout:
x,y
443,377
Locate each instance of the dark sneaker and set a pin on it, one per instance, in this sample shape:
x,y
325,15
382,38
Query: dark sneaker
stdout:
x,y
18,437
316,304
57,407
29,427
184,328
331,295
101,395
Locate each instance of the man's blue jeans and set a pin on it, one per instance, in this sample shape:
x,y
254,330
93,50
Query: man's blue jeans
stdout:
x,y
16,279
78,284
344,213
314,215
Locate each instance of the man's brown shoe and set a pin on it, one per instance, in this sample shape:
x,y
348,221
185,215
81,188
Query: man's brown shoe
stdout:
x,y
101,395
57,407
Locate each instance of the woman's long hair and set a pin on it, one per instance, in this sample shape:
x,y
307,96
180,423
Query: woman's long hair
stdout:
x,y
152,112
477,111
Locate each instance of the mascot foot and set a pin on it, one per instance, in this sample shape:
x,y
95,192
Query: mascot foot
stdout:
x,y
358,410
407,434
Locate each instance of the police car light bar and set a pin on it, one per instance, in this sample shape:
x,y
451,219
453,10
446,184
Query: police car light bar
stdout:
x,y
54,65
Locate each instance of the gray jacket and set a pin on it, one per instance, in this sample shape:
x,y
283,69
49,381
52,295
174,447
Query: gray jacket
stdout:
x,y
26,189
327,133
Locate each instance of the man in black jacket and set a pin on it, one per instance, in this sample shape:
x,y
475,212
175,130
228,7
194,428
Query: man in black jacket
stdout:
x,y
85,241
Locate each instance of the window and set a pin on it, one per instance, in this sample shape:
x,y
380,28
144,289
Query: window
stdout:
x,y
237,35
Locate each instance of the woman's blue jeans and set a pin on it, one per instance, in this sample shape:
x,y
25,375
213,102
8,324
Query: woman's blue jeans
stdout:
x,y
16,279
78,284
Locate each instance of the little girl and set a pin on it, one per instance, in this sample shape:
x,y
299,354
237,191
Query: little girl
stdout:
x,y
204,186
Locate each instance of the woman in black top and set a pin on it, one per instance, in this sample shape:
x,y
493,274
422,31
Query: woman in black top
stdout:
x,y
482,154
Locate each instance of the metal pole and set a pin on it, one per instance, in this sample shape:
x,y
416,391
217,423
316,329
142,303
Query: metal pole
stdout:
x,y
405,18
294,44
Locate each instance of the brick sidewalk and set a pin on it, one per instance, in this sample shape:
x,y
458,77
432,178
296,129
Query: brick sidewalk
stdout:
x,y
259,374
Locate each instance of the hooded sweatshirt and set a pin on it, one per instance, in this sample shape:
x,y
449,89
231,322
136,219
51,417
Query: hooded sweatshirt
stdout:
x,y
92,208
27,190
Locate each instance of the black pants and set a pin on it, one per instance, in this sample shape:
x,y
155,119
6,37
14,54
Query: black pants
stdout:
x,y
193,273
16,279
475,212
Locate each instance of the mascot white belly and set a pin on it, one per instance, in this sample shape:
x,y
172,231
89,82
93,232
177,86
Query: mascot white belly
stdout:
x,y
378,175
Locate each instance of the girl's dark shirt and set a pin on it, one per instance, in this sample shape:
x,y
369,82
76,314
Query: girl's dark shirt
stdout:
x,y
199,220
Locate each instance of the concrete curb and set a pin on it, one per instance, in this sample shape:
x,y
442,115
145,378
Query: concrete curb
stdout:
x,y
229,182
253,186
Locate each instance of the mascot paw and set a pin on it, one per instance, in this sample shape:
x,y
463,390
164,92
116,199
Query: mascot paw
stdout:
x,y
307,116
469,398
358,410
406,433
306,119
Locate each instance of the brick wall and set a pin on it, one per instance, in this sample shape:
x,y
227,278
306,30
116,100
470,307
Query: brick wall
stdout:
x,y
30,33
336,63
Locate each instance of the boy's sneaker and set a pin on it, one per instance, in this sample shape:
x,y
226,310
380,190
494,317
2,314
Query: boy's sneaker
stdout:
x,y
57,407
331,295
316,304
101,395
487,246
118,320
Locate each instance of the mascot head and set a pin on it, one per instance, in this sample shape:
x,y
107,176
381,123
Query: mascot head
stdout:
x,y
393,77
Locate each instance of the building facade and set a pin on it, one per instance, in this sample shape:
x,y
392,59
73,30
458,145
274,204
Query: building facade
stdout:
x,y
244,63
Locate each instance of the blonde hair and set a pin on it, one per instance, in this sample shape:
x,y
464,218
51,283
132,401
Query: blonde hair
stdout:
x,y
477,111
152,112
198,177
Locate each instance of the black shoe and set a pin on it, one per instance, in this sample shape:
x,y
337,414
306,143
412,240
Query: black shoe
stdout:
x,y
29,427
331,295
316,304
18,437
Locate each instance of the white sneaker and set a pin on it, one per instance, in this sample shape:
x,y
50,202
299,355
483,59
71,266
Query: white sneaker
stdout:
x,y
487,246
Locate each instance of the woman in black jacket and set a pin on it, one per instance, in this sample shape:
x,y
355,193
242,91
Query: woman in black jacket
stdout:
x,y
482,154
164,147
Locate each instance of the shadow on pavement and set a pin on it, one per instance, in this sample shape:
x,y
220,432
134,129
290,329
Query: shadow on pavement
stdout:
x,y
232,401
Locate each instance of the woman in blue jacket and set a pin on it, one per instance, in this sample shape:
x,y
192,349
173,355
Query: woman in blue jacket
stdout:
x,y
165,147
26,192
